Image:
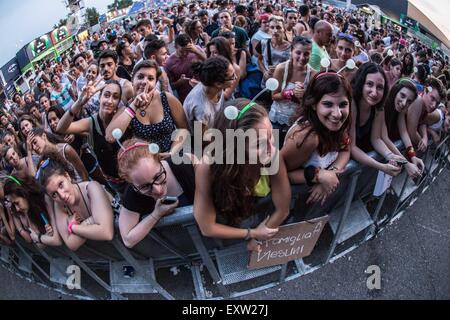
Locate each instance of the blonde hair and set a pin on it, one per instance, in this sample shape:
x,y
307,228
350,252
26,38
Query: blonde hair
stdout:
x,y
276,19
128,159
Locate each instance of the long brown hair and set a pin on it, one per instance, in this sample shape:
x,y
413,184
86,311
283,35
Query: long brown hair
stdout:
x,y
34,194
233,184
322,84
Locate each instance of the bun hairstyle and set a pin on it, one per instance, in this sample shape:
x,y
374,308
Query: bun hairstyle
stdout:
x,y
211,70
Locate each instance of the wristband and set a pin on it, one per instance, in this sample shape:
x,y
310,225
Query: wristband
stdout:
x,y
130,113
288,94
70,226
410,152
310,173
39,237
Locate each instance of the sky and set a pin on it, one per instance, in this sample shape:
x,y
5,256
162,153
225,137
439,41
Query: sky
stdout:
x,y
24,20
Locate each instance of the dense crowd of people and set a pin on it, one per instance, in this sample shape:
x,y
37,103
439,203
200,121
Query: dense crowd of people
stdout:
x,y
94,141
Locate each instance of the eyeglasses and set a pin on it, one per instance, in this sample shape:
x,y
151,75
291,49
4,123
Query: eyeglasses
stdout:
x,y
41,166
159,179
231,79
228,34
346,36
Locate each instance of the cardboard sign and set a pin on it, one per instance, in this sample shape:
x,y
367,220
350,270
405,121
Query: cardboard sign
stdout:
x,y
293,241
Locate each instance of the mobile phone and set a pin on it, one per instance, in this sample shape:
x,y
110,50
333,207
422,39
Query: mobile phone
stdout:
x,y
169,200
401,162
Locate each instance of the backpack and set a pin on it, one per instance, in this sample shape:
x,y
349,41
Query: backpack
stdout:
x,y
251,85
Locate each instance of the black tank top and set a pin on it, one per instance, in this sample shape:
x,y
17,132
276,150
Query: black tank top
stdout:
x,y
106,152
363,132
159,133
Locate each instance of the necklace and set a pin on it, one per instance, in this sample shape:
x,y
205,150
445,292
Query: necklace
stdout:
x,y
143,112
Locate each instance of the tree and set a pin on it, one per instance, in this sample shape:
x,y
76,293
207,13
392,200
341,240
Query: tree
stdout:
x,y
120,4
91,16
62,22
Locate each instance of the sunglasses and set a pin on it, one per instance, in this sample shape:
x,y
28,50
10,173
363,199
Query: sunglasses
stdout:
x,y
345,36
41,166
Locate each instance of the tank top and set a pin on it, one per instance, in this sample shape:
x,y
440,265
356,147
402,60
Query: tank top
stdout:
x,y
106,152
363,132
262,188
159,133
282,111
77,177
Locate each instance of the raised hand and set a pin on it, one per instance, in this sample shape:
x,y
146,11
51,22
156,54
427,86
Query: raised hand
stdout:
x,y
90,89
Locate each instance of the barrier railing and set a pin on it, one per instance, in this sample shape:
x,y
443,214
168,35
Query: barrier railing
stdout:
x,y
218,268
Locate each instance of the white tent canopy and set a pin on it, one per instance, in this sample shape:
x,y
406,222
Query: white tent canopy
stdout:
x,y
433,15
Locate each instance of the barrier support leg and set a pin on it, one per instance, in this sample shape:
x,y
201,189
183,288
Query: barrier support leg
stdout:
x,y
92,274
131,260
197,239
348,203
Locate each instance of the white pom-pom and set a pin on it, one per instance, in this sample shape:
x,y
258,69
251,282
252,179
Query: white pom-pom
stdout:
x,y
390,53
415,69
117,133
153,148
325,62
429,89
357,43
272,84
350,64
231,112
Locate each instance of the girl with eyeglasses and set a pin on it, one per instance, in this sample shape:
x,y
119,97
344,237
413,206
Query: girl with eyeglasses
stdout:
x,y
150,179
293,77
317,147
82,211
26,204
194,29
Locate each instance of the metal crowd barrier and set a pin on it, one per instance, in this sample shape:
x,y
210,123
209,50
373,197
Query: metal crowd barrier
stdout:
x,y
217,269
